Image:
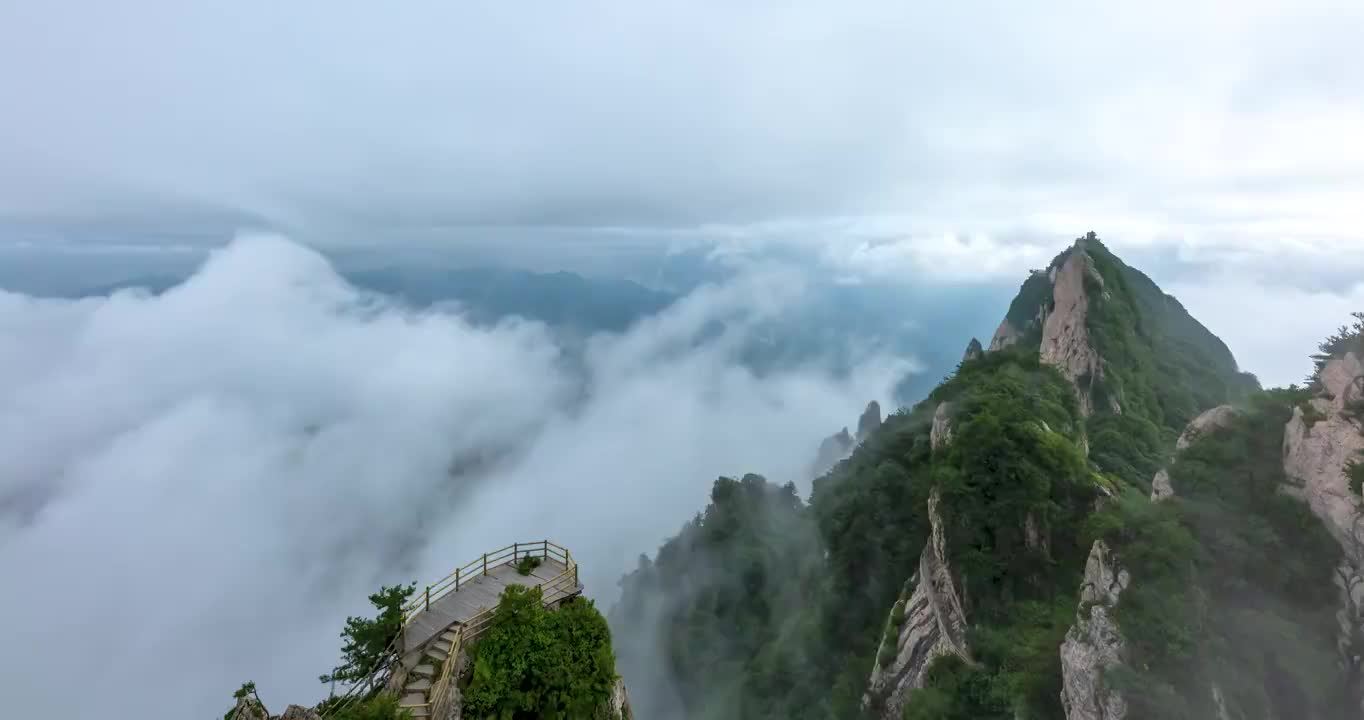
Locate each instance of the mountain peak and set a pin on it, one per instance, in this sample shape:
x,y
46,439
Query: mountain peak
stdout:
x,y
1128,348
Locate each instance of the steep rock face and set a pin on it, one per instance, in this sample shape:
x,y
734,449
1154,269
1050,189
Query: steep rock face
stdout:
x,y
933,625
869,421
1005,335
1315,456
620,701
1161,487
298,712
941,432
1065,339
1094,643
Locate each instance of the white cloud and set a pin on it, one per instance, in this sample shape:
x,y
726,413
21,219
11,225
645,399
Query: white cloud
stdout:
x,y
1272,329
229,468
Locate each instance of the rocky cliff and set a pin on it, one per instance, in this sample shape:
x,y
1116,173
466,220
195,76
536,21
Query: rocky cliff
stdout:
x,y
1065,335
927,622
1320,444
1094,644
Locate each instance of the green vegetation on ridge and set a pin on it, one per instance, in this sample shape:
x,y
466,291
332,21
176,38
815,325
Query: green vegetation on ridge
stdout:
x,y
533,662
1204,606
1232,582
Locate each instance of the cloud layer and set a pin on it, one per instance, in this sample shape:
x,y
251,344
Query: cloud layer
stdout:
x,y
1211,117
200,486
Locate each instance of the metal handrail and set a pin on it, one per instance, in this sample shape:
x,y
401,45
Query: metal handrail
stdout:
x,y
509,555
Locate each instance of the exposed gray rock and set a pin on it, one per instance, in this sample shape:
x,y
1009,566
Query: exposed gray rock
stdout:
x,y
1220,702
869,421
934,625
941,432
1315,458
620,701
1065,338
298,712
1161,487
1207,421
1005,335
973,350
1094,643
249,708
1315,462
451,707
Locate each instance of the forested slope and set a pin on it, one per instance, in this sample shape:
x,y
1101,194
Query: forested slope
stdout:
x,y
937,571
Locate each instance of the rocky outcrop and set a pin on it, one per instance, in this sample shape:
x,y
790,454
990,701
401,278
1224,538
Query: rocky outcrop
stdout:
x,y
1005,335
1161,487
1065,338
249,708
1206,422
927,624
869,421
1094,643
298,712
1219,701
973,351
941,432
1316,456
619,707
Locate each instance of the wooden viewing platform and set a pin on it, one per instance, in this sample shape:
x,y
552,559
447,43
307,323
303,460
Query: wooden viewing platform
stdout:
x,y
479,589
453,611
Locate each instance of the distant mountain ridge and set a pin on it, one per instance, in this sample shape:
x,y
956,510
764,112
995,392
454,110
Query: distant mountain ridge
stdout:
x,y
561,299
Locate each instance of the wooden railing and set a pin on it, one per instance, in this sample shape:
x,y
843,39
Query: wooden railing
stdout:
x,y
509,555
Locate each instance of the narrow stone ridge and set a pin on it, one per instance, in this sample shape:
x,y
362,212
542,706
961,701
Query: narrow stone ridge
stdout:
x,y
1094,643
932,624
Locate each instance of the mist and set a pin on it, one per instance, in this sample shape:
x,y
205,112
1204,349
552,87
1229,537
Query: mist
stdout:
x,y
201,485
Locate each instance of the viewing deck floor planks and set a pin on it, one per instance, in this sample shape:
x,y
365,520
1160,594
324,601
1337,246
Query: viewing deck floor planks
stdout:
x,y
474,595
